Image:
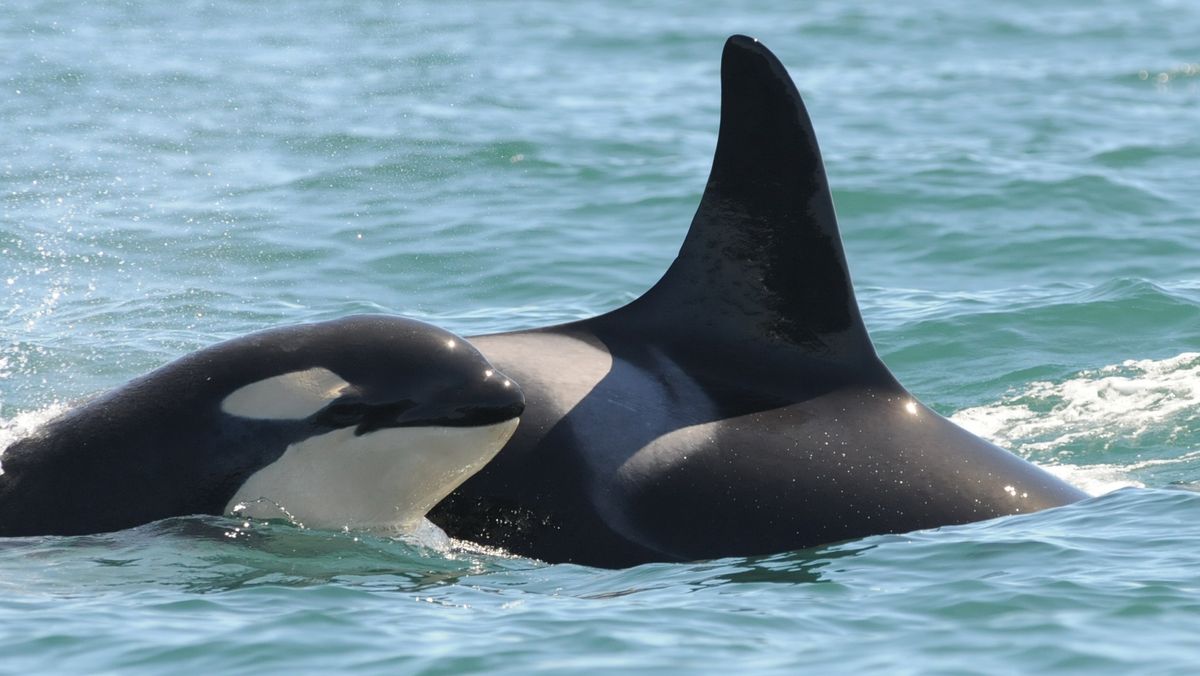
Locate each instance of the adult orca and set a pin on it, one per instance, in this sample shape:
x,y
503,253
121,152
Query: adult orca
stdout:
x,y
737,407
361,422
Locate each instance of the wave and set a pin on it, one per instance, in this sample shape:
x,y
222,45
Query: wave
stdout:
x,y
1121,425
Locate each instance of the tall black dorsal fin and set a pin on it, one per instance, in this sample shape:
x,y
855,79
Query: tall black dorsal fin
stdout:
x,y
763,259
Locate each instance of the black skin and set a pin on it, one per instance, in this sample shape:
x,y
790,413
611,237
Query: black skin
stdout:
x,y
738,407
160,446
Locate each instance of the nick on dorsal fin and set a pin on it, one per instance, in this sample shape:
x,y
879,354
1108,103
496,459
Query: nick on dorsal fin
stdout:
x,y
763,258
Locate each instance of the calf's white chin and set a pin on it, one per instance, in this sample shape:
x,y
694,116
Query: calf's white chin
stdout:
x,y
383,480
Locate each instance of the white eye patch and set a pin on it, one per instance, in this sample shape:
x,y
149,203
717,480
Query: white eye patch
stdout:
x,y
291,396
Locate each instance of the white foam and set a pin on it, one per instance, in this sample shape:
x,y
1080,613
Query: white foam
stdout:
x,y
1095,479
1111,407
24,424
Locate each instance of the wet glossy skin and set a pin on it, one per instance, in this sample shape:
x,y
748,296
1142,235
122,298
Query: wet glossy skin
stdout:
x,y
163,446
738,407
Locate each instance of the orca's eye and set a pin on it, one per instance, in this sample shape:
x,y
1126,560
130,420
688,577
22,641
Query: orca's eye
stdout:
x,y
342,414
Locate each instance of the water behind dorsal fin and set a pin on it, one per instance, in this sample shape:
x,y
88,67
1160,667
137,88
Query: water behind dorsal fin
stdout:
x,y
763,258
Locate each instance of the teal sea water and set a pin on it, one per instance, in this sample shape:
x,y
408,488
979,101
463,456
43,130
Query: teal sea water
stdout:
x,y
1019,191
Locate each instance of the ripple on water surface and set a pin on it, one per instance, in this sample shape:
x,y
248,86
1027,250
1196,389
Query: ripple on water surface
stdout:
x,y
203,593
1018,193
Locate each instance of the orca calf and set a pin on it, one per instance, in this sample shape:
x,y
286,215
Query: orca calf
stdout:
x,y
362,422
738,407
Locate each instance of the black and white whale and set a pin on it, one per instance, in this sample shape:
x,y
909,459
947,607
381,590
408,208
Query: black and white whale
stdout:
x,y
362,422
738,407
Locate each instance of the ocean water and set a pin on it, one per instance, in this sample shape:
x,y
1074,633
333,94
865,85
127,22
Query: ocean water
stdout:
x,y
1019,192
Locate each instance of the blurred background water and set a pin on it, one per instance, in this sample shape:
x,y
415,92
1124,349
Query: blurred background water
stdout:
x,y
1019,191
